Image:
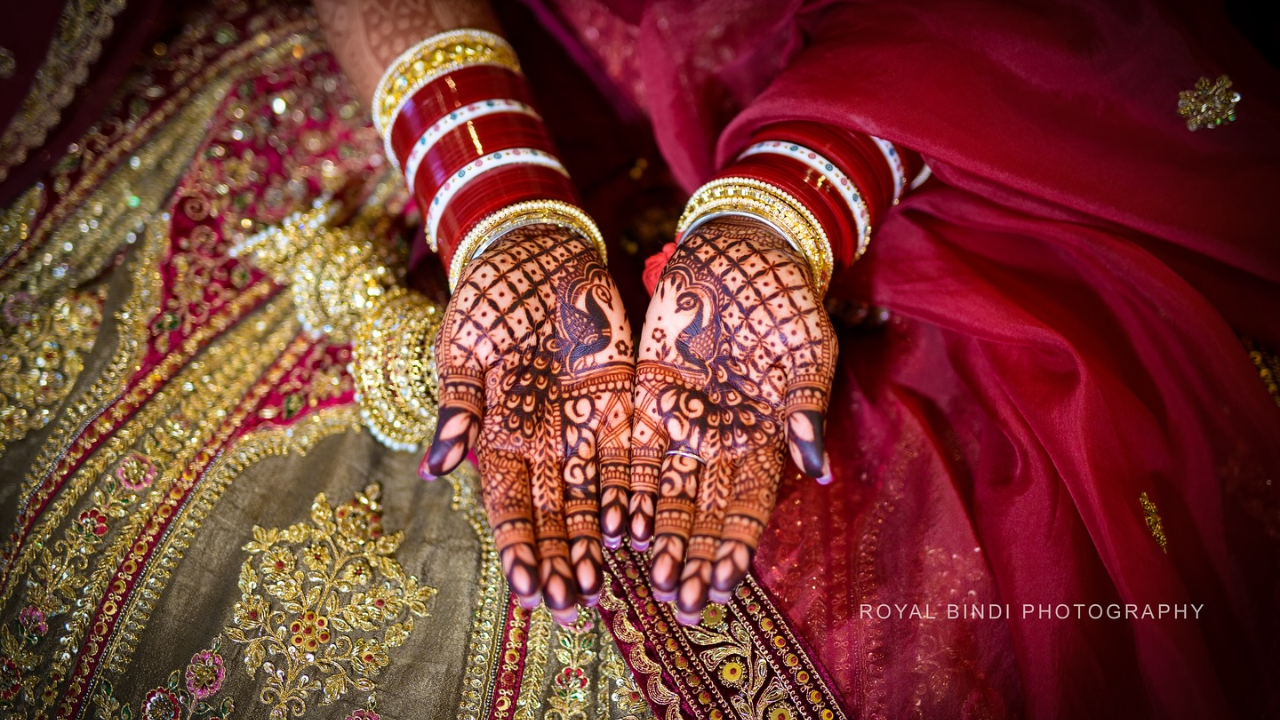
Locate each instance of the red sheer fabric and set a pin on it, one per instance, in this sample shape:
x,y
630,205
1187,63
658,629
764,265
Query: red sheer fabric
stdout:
x,y
1062,349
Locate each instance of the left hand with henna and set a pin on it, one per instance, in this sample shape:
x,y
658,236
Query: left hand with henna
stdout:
x,y
736,358
536,368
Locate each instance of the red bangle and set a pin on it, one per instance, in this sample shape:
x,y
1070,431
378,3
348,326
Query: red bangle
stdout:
x,y
848,153
464,144
810,188
446,94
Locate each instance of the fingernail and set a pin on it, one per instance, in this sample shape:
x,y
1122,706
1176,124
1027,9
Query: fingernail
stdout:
x,y
567,616
664,595
591,600
639,545
531,602
424,471
613,543
825,478
717,596
688,619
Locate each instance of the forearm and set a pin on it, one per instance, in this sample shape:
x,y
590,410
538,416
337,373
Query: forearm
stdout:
x,y
367,35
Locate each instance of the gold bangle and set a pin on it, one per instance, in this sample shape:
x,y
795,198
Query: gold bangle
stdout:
x,y
434,57
394,369
775,206
532,212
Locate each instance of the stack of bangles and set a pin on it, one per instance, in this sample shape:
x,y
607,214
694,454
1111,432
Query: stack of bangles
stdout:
x,y
822,188
456,116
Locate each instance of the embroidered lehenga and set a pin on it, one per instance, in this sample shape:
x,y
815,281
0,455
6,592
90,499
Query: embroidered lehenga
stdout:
x,y
200,526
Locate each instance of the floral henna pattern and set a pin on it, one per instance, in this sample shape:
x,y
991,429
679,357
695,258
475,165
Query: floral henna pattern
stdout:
x,y
536,367
736,359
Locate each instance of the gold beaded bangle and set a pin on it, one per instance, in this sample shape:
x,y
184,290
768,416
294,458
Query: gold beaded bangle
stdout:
x,y
434,57
533,212
394,369
773,205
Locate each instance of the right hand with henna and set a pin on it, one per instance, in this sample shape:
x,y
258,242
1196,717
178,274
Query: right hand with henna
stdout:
x,y
536,368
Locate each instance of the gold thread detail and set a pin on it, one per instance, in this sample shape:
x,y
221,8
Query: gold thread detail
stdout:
x,y
1154,523
328,628
1209,104
486,618
82,27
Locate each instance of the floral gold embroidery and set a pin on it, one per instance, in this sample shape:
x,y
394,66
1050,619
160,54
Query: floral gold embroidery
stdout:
x,y
42,352
322,603
626,695
1209,104
731,656
570,695
1154,524
187,695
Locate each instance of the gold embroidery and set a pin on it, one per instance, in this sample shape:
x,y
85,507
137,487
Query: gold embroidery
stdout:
x,y
42,352
529,703
570,692
16,221
626,695
322,602
1154,524
1268,364
188,694
81,29
626,632
490,599
1208,104
171,430
732,657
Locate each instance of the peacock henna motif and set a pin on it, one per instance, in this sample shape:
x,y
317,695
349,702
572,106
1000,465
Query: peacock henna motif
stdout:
x,y
736,358
536,368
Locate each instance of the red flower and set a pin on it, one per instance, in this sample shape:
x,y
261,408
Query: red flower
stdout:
x,y
654,266
10,679
160,704
92,524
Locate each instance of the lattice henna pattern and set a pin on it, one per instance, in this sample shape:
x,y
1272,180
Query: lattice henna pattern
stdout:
x,y
536,371
736,347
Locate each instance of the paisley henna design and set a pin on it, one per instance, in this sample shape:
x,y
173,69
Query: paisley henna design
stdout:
x,y
736,352
536,369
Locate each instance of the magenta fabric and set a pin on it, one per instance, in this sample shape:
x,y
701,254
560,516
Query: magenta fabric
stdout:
x,y
1065,296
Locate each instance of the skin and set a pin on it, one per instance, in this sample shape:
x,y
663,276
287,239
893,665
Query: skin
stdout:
x,y
527,383
536,370
736,359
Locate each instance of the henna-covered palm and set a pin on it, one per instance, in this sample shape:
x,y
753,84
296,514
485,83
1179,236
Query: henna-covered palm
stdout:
x,y
536,367
736,357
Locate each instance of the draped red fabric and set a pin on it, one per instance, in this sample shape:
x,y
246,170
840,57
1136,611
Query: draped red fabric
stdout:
x,y
1062,376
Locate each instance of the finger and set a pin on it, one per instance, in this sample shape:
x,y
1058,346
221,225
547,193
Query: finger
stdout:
x,y
714,487
805,409
459,421
673,521
754,496
648,443
555,573
510,508
582,494
614,457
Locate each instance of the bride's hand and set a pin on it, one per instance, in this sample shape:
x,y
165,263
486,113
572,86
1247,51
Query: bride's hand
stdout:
x,y
736,358
536,367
